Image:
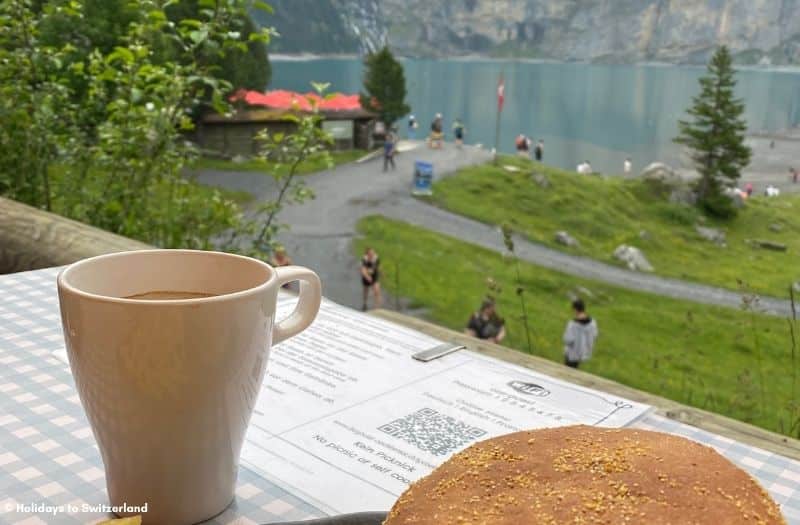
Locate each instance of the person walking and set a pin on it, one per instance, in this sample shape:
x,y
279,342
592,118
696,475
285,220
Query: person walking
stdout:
x,y
579,336
412,127
794,175
458,132
389,150
523,144
486,324
370,278
437,134
538,152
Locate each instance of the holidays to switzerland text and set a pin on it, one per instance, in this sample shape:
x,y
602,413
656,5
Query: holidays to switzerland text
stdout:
x,y
43,508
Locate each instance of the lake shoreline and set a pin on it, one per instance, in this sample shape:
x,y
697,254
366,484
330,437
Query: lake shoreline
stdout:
x,y
600,113
308,57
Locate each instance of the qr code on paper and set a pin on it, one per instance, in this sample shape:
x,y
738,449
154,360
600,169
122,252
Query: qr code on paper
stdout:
x,y
430,431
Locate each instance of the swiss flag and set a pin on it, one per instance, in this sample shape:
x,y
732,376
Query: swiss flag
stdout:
x,y
501,93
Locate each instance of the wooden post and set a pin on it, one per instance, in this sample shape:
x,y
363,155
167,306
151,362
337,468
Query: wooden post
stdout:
x,y
501,95
31,238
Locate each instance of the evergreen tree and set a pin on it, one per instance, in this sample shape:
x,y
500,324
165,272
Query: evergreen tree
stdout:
x,y
385,85
715,135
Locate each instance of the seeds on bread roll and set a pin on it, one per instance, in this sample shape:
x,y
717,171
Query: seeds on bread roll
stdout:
x,y
583,474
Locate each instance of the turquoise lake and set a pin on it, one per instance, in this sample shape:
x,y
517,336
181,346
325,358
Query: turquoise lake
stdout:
x,y
601,113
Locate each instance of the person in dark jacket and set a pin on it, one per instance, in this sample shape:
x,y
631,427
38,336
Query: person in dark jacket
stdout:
x,y
458,132
389,150
539,150
486,324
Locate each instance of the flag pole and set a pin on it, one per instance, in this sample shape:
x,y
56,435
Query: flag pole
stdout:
x,y
500,99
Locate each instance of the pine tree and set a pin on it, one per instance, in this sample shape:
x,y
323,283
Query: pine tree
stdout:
x,y
385,85
715,135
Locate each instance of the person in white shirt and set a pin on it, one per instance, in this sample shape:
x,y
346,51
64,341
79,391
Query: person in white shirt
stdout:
x,y
627,166
584,168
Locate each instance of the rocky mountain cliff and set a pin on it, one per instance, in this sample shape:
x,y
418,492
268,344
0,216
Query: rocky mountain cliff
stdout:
x,y
599,30
678,31
325,26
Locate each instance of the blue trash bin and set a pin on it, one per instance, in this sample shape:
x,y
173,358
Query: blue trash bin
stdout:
x,y
423,178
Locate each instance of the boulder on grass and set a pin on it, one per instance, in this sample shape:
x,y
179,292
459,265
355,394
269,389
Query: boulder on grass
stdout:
x,y
633,258
664,173
677,186
566,239
658,171
711,234
541,180
767,245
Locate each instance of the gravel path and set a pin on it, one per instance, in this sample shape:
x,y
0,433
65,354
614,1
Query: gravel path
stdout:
x,y
322,229
447,223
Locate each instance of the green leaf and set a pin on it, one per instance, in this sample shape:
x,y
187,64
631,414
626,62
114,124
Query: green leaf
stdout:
x,y
261,36
120,53
190,22
263,6
157,15
198,36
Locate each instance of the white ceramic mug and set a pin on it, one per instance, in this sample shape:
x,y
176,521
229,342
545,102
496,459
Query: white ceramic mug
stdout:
x,y
169,385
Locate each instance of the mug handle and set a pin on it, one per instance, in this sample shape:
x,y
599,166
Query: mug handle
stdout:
x,y
307,305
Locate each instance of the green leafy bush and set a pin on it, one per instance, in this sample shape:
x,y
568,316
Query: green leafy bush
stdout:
x,y
99,136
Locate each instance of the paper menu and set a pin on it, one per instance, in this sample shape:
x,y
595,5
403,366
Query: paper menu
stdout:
x,y
345,358
346,418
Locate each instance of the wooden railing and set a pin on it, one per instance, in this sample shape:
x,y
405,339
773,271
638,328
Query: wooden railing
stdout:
x,y
31,238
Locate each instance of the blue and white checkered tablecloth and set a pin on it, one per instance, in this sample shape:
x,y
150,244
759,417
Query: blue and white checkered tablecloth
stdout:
x,y
48,456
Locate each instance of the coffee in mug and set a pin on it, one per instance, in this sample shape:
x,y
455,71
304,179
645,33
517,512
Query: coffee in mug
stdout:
x,y
168,295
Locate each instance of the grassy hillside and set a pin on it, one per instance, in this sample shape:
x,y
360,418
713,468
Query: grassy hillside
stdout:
x,y
602,213
729,361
